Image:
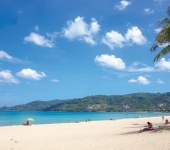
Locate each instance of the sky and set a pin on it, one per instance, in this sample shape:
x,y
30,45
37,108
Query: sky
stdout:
x,y
53,49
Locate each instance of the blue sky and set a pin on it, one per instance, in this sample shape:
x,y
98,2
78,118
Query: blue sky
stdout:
x,y
52,49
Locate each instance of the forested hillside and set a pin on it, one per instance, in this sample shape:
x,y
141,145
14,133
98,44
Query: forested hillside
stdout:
x,y
33,106
129,102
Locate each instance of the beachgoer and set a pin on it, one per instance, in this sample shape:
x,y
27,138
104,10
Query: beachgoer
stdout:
x,y
162,117
148,128
28,122
166,121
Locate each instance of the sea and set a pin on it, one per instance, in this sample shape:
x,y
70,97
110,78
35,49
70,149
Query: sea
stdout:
x,y
11,118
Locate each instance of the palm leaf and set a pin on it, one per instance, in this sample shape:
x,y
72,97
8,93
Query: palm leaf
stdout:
x,y
163,21
168,11
162,53
163,37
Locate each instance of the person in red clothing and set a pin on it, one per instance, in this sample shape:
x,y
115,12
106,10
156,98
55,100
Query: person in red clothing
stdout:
x,y
148,128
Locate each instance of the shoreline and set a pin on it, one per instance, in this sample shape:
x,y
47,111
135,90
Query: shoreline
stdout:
x,y
32,123
7,120
92,135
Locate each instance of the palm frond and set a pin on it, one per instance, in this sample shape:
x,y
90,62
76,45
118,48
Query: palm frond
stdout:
x,y
168,11
164,35
154,47
162,53
163,21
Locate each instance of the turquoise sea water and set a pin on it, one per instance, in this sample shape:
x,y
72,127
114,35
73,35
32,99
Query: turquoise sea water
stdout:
x,y
8,118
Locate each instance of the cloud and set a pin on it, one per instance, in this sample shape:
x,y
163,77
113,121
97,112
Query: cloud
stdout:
x,y
148,11
7,77
140,67
143,80
158,30
163,64
132,80
79,29
4,55
38,40
123,5
54,80
52,35
140,80
135,36
159,1
36,28
111,61
115,39
30,74
159,81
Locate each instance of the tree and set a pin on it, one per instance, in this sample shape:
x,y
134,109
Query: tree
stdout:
x,y
163,37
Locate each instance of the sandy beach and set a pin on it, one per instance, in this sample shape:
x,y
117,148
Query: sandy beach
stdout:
x,y
94,135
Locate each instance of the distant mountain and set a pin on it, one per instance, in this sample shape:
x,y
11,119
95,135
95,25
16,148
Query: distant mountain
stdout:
x,y
114,103
33,106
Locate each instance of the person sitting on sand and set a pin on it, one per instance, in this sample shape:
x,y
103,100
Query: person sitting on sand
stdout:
x,y
149,127
166,121
26,123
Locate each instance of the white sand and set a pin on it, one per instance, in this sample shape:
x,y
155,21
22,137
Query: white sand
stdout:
x,y
94,135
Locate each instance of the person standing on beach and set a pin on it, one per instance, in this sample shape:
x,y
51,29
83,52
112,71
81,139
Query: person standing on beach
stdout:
x,y
162,117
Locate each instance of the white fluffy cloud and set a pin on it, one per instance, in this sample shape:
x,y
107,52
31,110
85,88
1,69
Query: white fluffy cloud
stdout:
x,y
148,11
31,74
79,29
135,36
38,40
113,39
116,39
123,5
111,61
7,77
141,80
163,64
4,55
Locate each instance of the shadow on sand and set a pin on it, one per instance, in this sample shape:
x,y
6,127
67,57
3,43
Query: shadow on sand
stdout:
x,y
161,129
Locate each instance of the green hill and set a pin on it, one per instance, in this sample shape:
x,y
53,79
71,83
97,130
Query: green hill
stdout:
x,y
33,106
114,103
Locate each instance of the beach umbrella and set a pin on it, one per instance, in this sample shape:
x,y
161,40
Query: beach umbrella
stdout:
x,y
30,119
